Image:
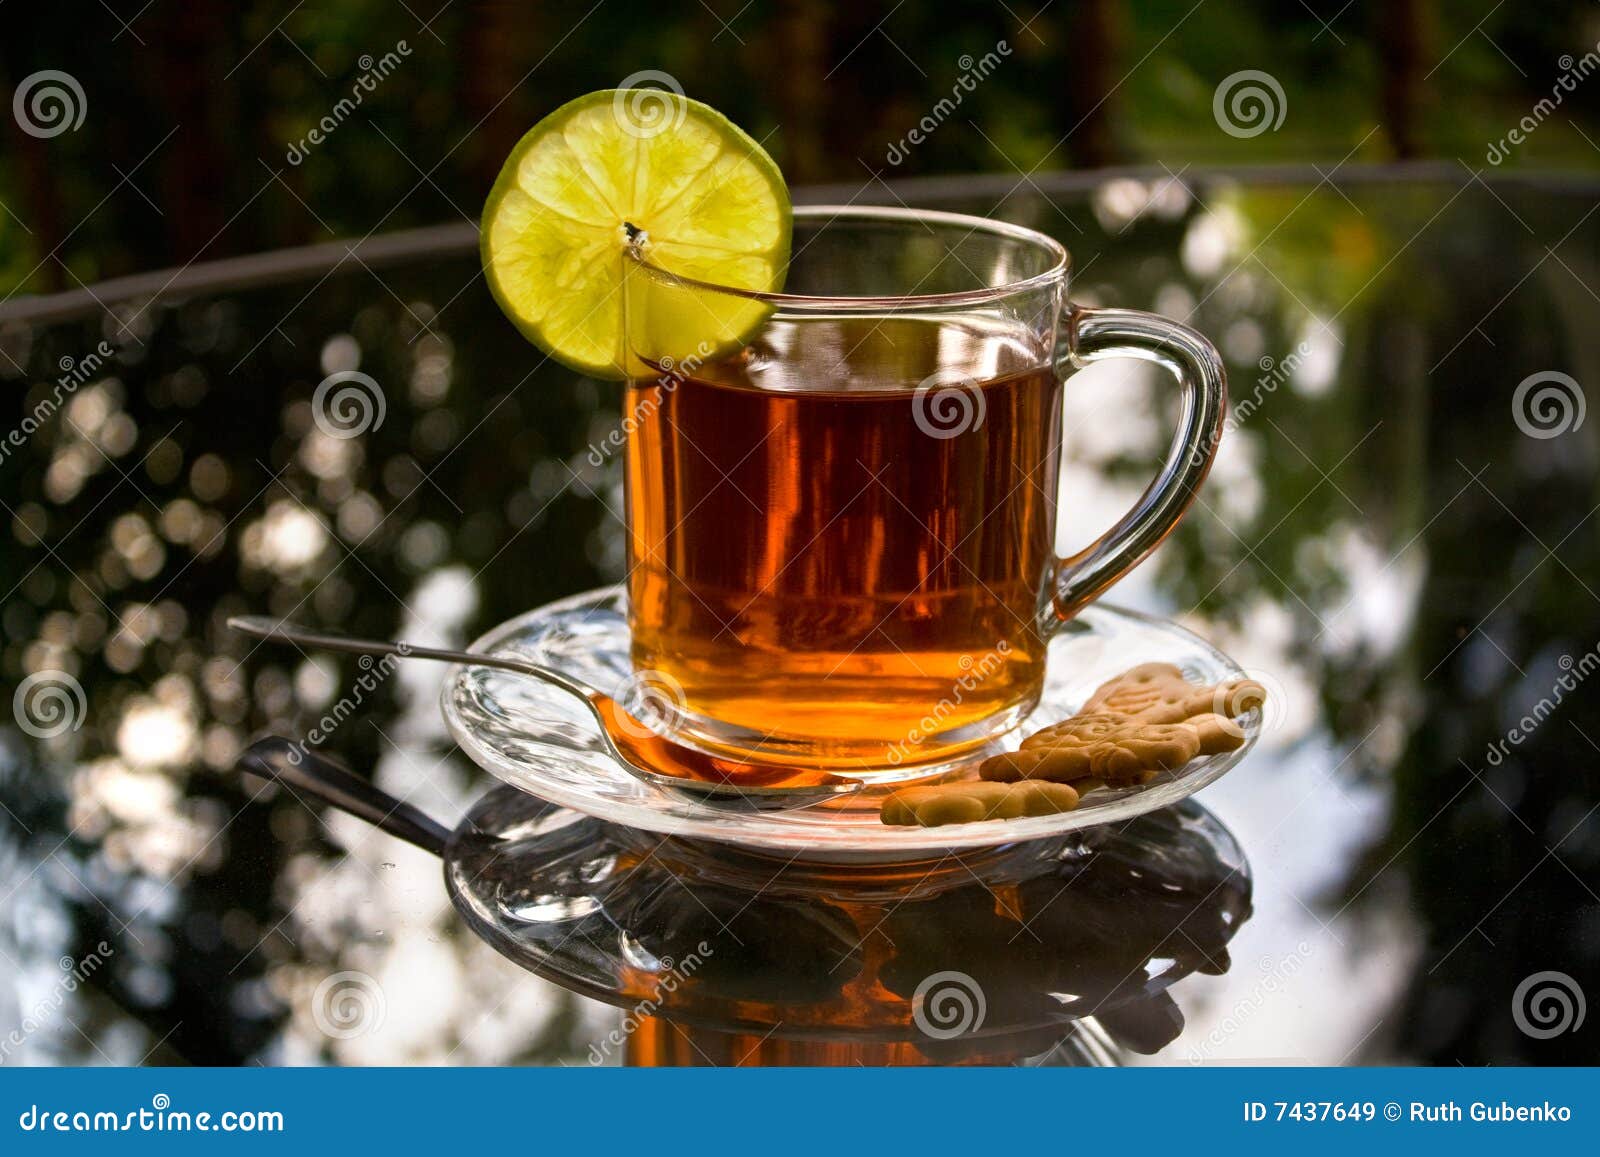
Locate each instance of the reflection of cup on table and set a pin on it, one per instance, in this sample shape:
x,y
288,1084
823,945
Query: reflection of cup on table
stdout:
x,y
841,535
987,958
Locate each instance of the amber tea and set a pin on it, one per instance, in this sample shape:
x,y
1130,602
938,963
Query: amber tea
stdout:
x,y
815,549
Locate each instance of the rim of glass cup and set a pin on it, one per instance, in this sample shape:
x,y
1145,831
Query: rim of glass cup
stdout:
x,y
1060,266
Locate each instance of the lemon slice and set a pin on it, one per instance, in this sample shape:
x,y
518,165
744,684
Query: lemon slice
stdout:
x,y
623,175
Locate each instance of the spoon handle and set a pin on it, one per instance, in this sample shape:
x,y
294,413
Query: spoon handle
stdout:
x,y
276,630
306,771
666,764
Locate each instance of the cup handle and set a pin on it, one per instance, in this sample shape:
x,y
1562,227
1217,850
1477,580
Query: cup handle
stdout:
x,y
1094,335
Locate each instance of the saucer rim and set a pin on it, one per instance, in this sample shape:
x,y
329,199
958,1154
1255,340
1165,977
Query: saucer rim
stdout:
x,y
845,843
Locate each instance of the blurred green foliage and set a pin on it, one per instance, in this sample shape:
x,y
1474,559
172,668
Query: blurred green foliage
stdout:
x,y
191,109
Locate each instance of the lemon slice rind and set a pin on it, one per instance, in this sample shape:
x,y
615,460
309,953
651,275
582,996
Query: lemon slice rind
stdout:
x,y
621,175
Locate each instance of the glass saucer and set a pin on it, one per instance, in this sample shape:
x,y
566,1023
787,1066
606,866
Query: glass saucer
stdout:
x,y
544,741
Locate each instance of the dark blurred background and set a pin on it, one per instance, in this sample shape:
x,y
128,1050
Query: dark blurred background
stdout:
x,y
1384,538
195,106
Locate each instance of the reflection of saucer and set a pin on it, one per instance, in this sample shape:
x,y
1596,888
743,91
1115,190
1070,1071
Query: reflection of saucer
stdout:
x,y
996,955
544,741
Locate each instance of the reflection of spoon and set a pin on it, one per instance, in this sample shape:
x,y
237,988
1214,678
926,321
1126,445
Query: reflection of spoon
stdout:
x,y
646,754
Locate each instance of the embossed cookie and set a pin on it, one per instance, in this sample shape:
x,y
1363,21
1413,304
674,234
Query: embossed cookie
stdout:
x,y
1147,720
1105,746
1061,764
1158,693
967,802
1218,733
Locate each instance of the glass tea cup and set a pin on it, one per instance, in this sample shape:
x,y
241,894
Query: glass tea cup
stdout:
x,y
841,529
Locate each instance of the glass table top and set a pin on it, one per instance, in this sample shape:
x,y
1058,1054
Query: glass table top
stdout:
x,y
1398,539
